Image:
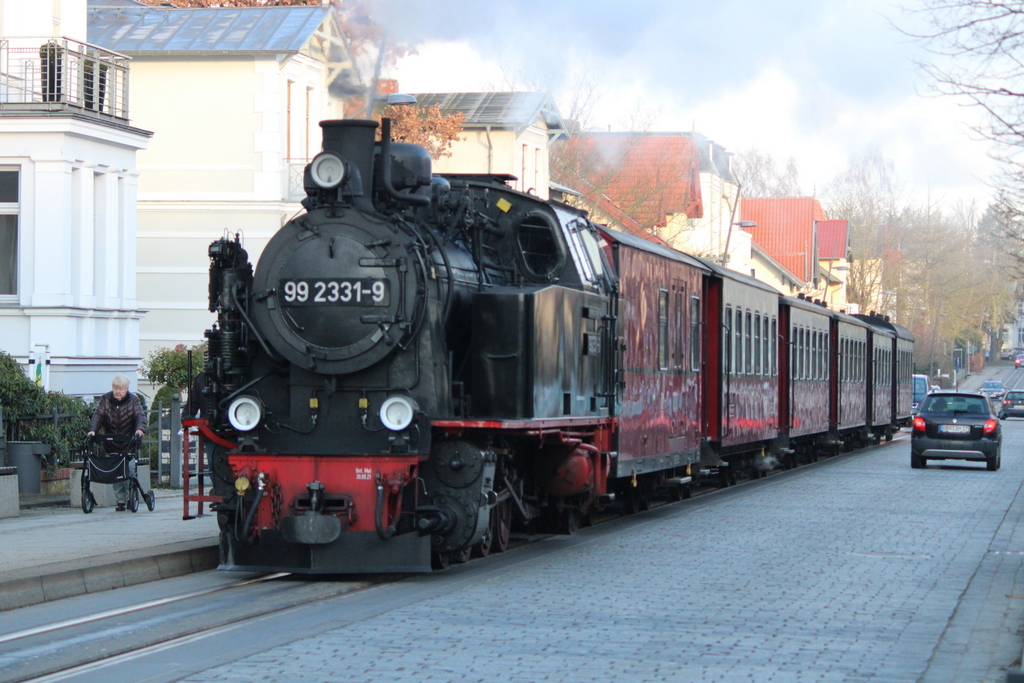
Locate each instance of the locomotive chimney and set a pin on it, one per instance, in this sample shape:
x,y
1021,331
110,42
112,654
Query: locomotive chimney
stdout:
x,y
353,140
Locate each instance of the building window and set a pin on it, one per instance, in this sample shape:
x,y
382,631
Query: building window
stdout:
x,y
9,210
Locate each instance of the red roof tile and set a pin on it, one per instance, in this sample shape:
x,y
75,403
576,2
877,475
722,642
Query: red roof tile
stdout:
x,y
833,239
646,175
786,230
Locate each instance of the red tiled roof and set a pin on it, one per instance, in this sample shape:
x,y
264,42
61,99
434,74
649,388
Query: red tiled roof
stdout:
x,y
786,230
646,175
833,239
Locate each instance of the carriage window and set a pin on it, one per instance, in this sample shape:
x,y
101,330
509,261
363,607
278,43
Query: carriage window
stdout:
x,y
815,341
823,360
799,353
811,357
757,343
766,344
775,349
821,355
738,351
694,333
748,351
842,359
805,343
680,327
727,340
817,354
539,247
663,329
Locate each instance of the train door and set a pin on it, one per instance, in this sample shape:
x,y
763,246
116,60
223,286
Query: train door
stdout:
x,y
785,379
717,332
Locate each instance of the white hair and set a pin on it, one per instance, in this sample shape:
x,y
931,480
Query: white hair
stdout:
x,y
120,381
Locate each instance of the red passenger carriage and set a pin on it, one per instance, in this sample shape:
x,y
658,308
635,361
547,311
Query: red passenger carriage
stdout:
x,y
804,393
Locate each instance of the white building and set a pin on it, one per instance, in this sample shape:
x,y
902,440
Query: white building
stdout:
x,y
235,96
67,200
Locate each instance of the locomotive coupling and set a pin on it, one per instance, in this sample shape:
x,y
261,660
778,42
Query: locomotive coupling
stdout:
x,y
312,527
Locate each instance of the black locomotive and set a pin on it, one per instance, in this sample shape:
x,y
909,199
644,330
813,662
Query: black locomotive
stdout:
x,y
347,369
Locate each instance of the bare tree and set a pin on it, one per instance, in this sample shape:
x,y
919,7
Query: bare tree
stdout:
x,y
978,48
762,176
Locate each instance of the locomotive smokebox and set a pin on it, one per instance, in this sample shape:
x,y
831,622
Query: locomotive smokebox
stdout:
x,y
353,140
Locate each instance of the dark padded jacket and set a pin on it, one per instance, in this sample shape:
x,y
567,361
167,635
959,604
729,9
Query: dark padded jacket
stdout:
x,y
118,417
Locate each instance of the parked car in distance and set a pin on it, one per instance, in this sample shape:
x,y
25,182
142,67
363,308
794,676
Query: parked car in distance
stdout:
x,y
1019,360
994,389
956,425
1012,405
918,390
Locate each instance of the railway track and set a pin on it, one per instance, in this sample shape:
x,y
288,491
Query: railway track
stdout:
x,y
54,650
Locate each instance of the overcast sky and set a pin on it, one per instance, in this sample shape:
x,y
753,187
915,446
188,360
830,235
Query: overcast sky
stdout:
x,y
819,80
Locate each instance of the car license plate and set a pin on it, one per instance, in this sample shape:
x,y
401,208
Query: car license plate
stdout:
x,y
955,429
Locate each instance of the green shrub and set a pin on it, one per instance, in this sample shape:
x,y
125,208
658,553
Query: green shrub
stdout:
x,y
20,398
169,367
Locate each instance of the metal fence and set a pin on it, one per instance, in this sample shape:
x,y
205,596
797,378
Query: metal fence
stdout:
x,y
162,444
52,74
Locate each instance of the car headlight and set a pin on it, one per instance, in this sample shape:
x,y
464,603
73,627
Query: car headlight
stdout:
x,y
327,170
245,413
397,412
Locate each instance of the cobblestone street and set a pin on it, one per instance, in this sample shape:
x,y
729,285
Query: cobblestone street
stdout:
x,y
857,568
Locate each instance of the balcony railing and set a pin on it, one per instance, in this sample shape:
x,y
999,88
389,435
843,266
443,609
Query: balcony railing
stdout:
x,y
57,74
294,190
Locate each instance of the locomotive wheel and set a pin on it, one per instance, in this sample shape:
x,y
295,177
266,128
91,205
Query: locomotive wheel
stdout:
x,y
675,493
568,521
501,526
644,499
440,560
482,548
461,556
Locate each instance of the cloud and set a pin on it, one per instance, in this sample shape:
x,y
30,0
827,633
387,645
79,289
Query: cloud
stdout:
x,y
821,81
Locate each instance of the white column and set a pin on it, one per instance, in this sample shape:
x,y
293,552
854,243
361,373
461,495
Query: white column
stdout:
x,y
48,239
82,238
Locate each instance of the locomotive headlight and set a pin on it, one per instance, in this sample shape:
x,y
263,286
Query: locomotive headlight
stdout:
x,y
244,413
397,413
327,170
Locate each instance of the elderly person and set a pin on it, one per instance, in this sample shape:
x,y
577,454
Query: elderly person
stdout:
x,y
119,412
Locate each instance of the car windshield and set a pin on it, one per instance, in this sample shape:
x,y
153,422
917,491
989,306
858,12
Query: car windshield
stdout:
x,y
972,405
992,386
1015,395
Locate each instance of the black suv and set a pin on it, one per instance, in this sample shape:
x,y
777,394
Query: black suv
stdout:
x,y
955,425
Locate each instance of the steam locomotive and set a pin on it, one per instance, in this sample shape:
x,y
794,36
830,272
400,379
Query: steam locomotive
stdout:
x,y
418,363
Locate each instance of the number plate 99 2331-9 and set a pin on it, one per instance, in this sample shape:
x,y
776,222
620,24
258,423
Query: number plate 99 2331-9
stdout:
x,y
331,292
955,429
